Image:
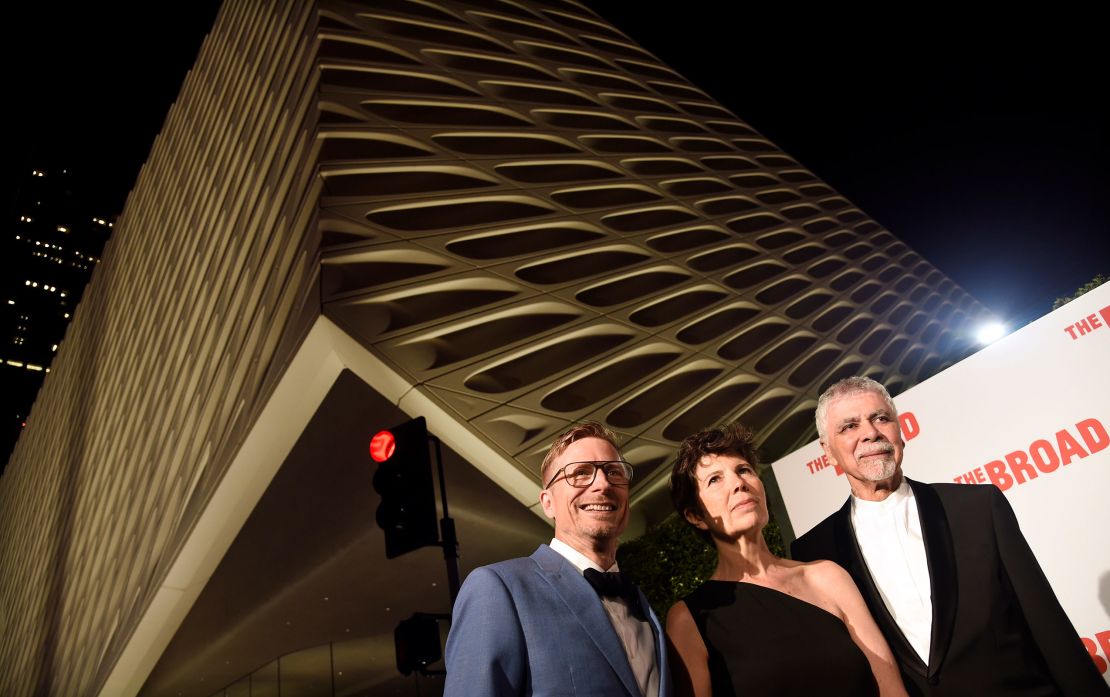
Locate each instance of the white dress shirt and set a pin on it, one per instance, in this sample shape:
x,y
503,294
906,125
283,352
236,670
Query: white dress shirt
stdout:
x,y
889,537
636,636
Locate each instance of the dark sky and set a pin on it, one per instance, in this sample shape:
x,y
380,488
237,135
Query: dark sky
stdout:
x,y
981,143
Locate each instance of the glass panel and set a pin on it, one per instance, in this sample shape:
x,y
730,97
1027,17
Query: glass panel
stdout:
x,y
356,672
307,673
240,688
264,681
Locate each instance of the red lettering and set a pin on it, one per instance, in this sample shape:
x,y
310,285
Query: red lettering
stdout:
x,y
818,464
1019,465
1083,327
1068,447
975,476
910,428
1103,641
1093,434
1105,313
1071,332
1044,457
1100,664
996,470
1093,319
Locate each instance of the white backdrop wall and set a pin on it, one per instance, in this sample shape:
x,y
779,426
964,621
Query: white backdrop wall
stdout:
x,y
1030,414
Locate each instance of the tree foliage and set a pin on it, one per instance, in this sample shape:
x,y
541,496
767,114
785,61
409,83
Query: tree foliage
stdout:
x,y
670,560
1085,288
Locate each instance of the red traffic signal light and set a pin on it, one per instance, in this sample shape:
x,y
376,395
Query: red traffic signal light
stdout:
x,y
407,511
382,446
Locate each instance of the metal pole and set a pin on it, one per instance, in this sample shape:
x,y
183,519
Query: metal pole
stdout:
x,y
447,532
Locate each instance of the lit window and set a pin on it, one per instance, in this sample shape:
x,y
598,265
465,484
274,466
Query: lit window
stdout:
x,y
34,367
62,229
17,364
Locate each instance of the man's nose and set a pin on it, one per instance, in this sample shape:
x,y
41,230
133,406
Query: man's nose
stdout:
x,y
601,481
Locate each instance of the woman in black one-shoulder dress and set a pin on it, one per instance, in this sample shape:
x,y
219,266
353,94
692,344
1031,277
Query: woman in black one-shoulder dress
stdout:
x,y
763,625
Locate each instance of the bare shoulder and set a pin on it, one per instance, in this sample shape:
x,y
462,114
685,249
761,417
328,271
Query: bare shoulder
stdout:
x,y
832,586
679,617
825,573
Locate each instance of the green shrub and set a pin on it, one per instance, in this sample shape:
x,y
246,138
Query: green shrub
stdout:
x,y
670,560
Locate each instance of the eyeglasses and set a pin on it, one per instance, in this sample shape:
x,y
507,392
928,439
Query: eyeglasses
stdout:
x,y
582,474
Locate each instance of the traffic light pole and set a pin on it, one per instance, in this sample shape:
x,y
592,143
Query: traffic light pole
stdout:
x,y
450,542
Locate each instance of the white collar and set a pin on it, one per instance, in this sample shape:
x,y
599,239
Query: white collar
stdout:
x,y
579,560
898,497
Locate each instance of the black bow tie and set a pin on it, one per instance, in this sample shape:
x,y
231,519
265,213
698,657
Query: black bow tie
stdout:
x,y
614,584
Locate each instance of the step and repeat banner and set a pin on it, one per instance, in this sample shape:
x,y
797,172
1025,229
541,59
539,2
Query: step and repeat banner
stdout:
x,y
1029,414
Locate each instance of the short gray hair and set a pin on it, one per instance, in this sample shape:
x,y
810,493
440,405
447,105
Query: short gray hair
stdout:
x,y
843,388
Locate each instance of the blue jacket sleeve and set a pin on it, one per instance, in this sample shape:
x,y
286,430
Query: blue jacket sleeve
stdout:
x,y
486,654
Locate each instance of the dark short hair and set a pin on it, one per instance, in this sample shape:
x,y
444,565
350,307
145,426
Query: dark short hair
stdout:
x,y
585,429
733,439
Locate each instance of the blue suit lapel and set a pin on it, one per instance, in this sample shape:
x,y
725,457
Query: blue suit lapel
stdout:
x,y
581,601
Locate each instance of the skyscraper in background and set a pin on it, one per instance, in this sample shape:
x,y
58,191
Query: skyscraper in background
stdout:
x,y
49,252
501,216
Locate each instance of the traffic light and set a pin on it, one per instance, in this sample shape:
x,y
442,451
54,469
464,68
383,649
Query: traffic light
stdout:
x,y
407,512
416,641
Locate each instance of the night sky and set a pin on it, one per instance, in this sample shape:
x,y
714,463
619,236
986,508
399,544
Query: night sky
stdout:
x,y
980,142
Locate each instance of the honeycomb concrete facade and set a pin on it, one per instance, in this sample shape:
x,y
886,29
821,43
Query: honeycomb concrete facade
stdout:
x,y
505,216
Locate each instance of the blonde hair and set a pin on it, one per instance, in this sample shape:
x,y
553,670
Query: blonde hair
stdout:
x,y
586,429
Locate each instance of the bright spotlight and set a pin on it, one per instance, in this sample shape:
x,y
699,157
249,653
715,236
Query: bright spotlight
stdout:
x,y
991,332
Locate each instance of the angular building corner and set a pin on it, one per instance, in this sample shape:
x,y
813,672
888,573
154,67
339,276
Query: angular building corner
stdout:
x,y
504,216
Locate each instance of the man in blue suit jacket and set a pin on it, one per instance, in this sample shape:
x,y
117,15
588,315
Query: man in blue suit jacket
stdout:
x,y
536,626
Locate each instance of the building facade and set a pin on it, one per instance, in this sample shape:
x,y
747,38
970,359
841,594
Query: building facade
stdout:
x,y
503,216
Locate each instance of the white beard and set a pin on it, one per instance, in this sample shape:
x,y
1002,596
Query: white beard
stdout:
x,y
878,469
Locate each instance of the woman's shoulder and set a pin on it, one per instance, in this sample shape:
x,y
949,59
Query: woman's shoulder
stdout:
x,y
819,572
825,583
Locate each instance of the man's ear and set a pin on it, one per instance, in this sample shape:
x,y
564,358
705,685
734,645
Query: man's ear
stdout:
x,y
547,504
694,519
828,453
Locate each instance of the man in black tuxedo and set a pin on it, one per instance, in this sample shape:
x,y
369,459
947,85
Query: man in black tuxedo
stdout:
x,y
944,568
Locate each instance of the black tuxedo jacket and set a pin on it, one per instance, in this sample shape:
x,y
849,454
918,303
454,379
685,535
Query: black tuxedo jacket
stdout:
x,y
998,628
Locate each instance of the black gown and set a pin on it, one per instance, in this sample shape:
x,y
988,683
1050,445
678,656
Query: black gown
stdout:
x,y
764,642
